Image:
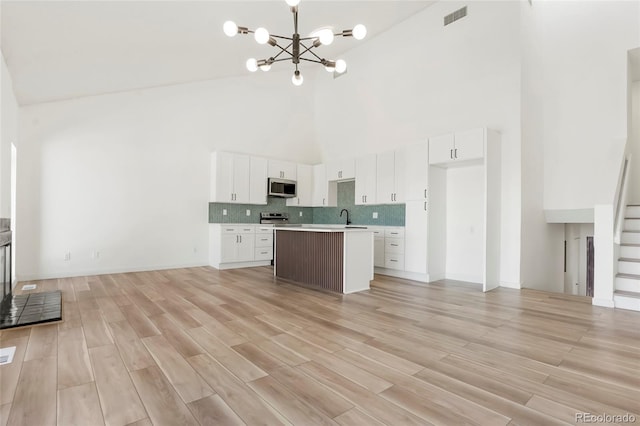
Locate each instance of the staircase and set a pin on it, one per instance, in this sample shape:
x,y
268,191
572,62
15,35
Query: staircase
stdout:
x,y
627,293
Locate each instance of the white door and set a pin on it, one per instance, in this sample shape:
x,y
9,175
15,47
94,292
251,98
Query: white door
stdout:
x,y
221,177
320,187
399,166
229,247
246,247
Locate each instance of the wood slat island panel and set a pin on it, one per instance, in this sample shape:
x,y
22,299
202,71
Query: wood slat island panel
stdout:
x,y
313,258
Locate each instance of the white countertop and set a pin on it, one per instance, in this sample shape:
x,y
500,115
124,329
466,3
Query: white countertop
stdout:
x,y
322,228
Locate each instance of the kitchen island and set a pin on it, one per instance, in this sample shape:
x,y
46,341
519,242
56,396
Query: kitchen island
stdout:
x,y
337,259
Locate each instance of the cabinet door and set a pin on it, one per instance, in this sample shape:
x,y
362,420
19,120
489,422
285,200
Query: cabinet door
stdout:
x,y
221,185
241,178
320,187
366,180
399,165
258,181
385,177
341,169
378,252
229,247
246,247
282,169
469,145
416,171
441,149
304,187
415,239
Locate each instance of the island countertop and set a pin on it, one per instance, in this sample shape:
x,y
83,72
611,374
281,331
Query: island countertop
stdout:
x,y
323,228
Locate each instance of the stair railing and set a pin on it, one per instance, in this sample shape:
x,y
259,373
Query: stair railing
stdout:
x,y
622,196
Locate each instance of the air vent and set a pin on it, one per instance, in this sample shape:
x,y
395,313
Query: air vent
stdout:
x,y
6,355
452,17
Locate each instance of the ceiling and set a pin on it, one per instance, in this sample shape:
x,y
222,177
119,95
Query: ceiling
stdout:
x,y
65,49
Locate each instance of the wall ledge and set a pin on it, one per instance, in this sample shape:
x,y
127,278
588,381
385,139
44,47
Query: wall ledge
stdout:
x,y
569,215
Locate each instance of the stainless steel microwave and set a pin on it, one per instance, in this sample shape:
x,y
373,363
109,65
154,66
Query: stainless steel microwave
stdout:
x,y
282,188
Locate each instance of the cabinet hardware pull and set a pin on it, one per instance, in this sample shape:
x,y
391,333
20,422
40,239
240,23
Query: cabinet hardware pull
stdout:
x,y
455,152
425,193
323,201
425,206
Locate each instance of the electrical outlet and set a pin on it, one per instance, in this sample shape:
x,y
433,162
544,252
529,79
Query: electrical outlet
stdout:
x,y
300,214
375,215
67,256
95,254
248,212
224,212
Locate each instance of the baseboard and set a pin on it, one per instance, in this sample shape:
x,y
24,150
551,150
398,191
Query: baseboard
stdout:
x,y
507,284
236,265
465,277
91,272
415,276
602,302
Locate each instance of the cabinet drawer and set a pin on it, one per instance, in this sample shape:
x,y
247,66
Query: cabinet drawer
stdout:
x,y
231,229
246,229
394,245
264,253
264,240
378,233
394,233
395,261
264,229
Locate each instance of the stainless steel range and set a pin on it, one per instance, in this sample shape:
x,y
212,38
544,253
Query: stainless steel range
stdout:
x,y
274,218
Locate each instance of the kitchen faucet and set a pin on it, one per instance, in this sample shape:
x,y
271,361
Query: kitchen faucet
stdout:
x,y
345,210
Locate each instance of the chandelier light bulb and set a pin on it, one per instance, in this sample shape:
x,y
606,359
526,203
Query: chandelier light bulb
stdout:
x,y
326,36
293,3
230,28
297,79
252,64
265,67
359,32
261,35
341,66
330,69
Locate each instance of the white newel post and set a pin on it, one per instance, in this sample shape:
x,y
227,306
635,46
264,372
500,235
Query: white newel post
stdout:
x,y
604,255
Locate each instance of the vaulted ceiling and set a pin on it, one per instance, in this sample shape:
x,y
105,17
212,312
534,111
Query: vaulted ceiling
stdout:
x,y
65,49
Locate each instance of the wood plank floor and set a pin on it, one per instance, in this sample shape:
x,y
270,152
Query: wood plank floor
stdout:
x,y
202,346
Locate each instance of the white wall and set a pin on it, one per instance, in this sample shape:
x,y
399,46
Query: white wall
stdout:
x,y
634,141
583,66
128,174
542,252
8,135
421,79
465,224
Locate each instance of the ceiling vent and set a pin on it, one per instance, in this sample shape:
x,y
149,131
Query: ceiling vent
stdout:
x,y
452,17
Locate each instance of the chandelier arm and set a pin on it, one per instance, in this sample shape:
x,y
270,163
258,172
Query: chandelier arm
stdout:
x,y
310,60
281,59
283,50
308,49
282,37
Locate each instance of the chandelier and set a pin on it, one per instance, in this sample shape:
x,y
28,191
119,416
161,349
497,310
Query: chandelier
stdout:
x,y
295,48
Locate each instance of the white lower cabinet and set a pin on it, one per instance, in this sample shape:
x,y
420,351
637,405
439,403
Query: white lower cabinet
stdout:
x,y
388,249
236,245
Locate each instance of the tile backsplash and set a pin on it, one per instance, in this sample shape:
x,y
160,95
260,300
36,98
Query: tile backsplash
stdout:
x,y
388,214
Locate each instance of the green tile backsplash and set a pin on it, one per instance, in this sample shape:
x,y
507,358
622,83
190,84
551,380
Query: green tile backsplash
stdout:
x,y
388,214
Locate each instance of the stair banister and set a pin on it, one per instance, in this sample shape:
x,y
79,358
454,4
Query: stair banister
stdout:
x,y
622,195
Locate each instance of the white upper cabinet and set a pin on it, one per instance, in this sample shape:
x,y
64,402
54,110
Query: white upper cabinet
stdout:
x,y
416,167
390,177
230,178
366,180
320,197
448,149
304,187
282,169
258,181
341,169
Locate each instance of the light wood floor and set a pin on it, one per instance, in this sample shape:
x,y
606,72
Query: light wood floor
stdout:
x,y
201,346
